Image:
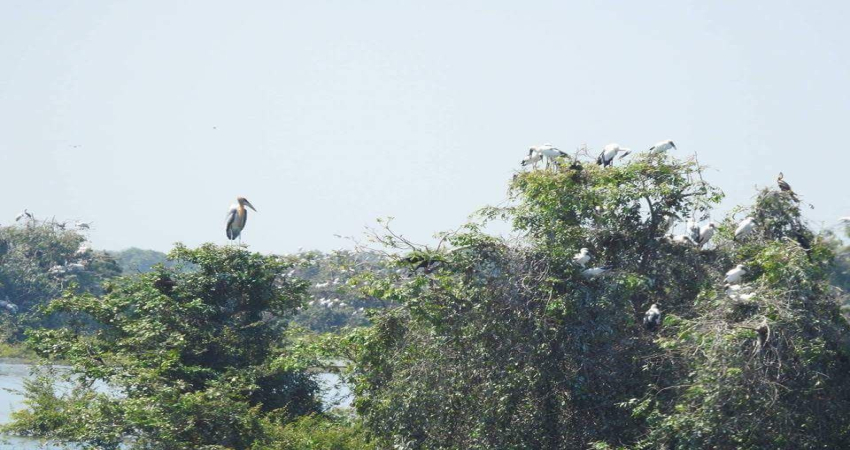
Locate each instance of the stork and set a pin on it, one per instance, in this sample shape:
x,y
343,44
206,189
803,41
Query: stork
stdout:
x,y
652,318
593,272
236,218
582,257
609,152
548,151
733,276
785,187
662,147
23,214
705,233
745,227
532,159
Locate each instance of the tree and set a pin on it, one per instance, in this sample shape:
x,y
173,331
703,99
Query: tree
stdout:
x,y
507,344
195,355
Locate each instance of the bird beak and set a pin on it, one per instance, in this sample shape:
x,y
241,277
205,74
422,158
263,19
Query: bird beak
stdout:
x,y
248,204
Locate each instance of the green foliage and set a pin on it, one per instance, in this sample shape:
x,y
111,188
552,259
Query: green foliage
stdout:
x,y
135,260
506,345
318,432
191,353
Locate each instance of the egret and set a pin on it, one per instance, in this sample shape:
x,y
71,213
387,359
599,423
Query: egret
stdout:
x,y
582,257
745,227
652,318
609,152
662,147
705,233
733,276
236,218
593,272
785,187
532,159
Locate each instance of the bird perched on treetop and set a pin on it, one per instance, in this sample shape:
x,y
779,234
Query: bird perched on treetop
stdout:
x,y
582,257
609,152
237,216
733,276
705,233
652,318
662,147
745,227
785,187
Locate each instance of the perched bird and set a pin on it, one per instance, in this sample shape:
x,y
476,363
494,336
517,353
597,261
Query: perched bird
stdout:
x,y
23,214
662,147
733,276
785,187
582,257
683,239
609,152
548,151
237,216
82,250
9,306
82,225
745,227
593,272
705,233
652,318
534,157
693,230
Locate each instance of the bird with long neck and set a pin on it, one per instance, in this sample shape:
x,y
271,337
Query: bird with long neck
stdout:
x,y
237,217
785,187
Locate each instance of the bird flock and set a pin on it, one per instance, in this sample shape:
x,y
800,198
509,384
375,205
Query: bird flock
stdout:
x,y
696,235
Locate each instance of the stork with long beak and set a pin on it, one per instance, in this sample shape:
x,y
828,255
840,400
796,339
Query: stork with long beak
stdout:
x,y
237,217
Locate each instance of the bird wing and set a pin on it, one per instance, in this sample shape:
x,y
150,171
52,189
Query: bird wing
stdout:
x,y
231,216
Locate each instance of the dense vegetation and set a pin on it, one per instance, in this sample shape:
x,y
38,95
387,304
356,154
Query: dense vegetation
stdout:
x,y
479,342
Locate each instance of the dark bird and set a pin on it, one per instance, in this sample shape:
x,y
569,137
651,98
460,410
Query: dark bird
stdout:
x,y
785,187
237,216
652,318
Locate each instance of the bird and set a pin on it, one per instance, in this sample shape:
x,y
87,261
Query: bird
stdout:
x,y
733,276
683,239
662,147
532,159
609,152
23,214
593,272
82,225
11,307
82,250
548,151
236,218
693,230
75,266
785,187
652,318
582,257
845,219
745,227
705,233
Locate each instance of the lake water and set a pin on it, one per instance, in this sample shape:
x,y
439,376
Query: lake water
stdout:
x,y
12,375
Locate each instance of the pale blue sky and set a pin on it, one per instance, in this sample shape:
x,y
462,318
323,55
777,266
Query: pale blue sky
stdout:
x,y
327,115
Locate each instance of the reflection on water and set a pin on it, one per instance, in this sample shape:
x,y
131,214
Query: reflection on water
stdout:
x,y
334,394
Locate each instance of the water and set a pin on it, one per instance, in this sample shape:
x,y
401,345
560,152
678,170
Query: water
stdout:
x,y
12,375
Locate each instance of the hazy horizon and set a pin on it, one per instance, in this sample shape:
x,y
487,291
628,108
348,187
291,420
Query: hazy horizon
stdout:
x,y
148,119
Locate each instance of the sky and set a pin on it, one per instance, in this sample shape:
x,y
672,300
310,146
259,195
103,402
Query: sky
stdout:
x,y
149,118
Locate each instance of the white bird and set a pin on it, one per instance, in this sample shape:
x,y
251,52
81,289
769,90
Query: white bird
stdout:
x,y
11,307
705,233
683,240
23,214
733,276
593,272
609,152
582,257
237,216
745,227
82,250
652,318
75,267
662,147
534,157
549,152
